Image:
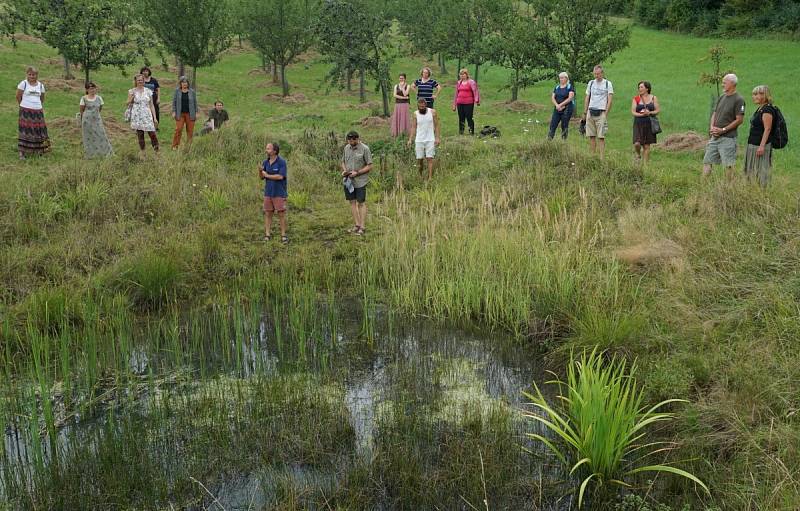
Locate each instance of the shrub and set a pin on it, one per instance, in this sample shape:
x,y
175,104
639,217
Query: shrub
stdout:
x,y
597,430
152,279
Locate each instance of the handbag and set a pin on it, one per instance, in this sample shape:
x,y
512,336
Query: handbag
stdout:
x,y
655,126
127,114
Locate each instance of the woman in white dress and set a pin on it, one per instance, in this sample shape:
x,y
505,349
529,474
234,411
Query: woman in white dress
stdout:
x,y
142,113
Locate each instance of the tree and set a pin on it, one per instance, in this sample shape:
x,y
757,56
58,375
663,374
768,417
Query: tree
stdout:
x,y
11,21
583,33
526,48
195,31
281,30
354,35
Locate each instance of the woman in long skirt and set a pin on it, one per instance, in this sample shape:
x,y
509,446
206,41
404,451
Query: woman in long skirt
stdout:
x,y
93,133
33,137
401,121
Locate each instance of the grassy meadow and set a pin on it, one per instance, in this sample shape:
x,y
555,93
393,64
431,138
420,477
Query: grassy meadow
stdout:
x,y
697,279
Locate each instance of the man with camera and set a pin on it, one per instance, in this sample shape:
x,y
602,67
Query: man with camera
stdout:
x,y
356,164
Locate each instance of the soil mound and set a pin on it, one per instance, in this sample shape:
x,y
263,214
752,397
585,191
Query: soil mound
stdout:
x,y
75,85
373,122
70,127
292,99
523,106
654,252
683,142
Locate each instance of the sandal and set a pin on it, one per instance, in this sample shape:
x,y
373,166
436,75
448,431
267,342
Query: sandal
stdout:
x,y
267,237
361,231
354,229
285,240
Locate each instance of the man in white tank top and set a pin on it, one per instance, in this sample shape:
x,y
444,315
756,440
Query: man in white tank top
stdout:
x,y
425,133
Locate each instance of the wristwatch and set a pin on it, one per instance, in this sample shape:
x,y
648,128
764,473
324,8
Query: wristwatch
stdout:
x,y
724,129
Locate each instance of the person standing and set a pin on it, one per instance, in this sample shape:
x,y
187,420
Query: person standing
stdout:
x,y
727,116
563,99
32,138
427,88
274,172
142,113
93,133
356,164
400,123
465,99
596,107
184,111
758,156
151,83
644,106
425,134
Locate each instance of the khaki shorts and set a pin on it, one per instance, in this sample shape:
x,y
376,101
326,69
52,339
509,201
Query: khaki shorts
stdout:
x,y
720,151
425,149
596,126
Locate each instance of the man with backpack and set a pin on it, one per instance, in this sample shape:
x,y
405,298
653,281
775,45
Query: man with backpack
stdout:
x,y
596,107
727,116
563,99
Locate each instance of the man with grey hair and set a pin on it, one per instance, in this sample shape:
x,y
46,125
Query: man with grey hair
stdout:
x,y
596,107
727,116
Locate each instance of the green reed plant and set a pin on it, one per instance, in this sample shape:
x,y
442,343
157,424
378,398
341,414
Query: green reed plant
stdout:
x,y
598,430
152,279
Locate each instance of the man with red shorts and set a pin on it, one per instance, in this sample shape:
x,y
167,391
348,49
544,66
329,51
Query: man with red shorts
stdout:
x,y
273,171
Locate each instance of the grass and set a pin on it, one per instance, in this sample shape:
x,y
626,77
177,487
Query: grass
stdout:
x,y
599,428
696,279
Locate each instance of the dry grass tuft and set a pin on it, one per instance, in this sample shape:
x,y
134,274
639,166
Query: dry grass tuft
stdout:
x,y
683,142
656,252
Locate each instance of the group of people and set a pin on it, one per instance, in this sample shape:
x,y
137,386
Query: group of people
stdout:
x,y
142,112
422,128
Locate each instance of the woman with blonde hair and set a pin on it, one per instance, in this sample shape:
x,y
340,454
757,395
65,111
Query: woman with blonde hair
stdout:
x,y
465,99
33,138
563,99
758,157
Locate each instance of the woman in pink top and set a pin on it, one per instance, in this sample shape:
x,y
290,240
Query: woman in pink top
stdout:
x,y
467,96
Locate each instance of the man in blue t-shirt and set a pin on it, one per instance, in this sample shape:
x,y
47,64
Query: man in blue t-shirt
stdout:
x,y
273,170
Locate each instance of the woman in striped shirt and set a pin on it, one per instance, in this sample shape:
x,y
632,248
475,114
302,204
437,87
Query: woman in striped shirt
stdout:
x,y
427,88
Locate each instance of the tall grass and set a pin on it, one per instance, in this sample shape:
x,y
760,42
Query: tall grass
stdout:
x,y
599,428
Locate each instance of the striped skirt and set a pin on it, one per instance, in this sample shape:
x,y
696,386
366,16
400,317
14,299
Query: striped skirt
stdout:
x,y
33,137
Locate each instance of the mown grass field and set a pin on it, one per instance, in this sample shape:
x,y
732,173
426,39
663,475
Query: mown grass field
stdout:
x,y
698,279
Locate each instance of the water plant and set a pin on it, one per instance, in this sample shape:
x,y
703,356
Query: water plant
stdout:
x,y
598,431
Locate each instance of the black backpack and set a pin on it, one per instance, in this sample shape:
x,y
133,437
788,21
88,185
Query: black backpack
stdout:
x,y
780,135
490,131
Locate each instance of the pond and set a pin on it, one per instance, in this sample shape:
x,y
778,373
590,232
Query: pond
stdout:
x,y
390,413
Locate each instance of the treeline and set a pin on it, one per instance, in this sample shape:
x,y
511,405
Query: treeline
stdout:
x,y
744,18
361,39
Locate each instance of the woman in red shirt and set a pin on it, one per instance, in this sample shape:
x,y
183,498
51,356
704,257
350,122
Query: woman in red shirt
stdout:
x,y
467,96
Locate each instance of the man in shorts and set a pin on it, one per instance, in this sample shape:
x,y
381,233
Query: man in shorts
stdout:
x,y
596,107
425,134
727,116
356,164
273,171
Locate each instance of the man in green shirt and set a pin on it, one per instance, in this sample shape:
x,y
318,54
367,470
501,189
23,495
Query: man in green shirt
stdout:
x,y
356,164
727,116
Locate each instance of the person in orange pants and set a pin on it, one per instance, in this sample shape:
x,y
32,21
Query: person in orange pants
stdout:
x,y
184,111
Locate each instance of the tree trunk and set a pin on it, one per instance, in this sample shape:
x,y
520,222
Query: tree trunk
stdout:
x,y
515,87
181,68
477,68
274,72
458,76
362,94
85,75
240,41
385,94
67,71
284,82
264,64
442,64
194,78
349,79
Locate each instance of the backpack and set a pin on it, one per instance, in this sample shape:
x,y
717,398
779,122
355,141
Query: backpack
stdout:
x,y
780,135
490,131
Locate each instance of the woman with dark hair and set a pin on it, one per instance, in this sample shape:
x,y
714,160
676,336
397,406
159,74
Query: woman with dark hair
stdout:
x,y
644,106
33,138
758,157
141,112
151,83
93,133
401,121
184,111
273,172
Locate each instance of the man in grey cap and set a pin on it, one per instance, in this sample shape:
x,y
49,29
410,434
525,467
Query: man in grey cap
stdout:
x,y
356,164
